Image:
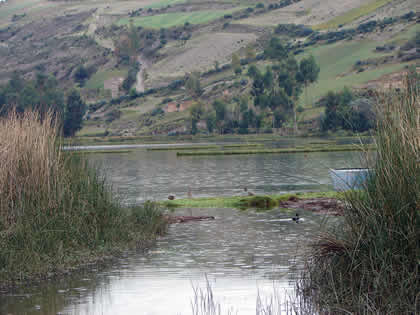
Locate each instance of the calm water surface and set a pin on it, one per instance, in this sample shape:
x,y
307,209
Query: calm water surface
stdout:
x,y
241,252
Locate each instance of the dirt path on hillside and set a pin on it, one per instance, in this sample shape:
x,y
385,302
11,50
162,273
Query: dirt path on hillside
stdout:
x,y
140,75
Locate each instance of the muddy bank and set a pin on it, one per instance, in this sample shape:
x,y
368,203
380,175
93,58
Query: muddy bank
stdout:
x,y
330,206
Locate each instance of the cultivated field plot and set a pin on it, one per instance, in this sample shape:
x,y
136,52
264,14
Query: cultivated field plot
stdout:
x,y
200,53
35,9
307,12
336,61
98,79
392,9
167,20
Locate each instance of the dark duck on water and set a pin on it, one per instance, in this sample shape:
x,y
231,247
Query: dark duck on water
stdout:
x,y
296,218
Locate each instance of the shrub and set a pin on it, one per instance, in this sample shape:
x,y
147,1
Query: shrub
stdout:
x,y
157,111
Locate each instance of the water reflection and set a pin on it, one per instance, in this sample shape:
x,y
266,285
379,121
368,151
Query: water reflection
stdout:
x,y
240,251
142,175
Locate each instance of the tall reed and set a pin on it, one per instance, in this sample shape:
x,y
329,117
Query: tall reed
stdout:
x,y
370,263
55,209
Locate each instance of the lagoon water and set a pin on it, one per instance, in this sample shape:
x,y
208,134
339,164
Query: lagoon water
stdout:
x,y
242,253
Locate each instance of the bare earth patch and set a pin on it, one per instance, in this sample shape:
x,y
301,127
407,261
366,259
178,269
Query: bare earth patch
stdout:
x,y
200,53
307,12
320,205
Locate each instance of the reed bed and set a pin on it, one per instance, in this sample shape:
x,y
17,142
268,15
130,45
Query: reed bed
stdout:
x,y
56,211
370,263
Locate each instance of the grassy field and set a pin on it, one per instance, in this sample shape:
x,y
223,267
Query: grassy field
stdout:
x,y
164,3
167,20
8,9
352,15
97,80
336,60
89,131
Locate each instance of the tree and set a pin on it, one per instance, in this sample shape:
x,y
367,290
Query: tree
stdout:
x,y
220,109
211,121
73,115
193,85
196,112
253,71
308,72
81,75
236,64
288,81
275,49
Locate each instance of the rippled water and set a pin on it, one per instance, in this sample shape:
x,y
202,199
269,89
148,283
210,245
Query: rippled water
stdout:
x,y
142,175
242,252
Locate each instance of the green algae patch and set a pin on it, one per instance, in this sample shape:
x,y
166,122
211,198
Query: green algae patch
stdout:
x,y
180,148
326,148
241,202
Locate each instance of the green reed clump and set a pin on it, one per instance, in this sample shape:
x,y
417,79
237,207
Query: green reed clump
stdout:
x,y
370,263
55,209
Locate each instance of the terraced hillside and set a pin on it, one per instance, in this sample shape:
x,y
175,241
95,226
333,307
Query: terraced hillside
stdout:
x,y
154,45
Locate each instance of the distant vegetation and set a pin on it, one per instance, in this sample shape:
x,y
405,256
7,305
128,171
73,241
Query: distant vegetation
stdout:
x,y
274,94
344,111
43,95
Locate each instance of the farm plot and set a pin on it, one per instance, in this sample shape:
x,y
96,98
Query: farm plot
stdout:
x,y
352,15
167,20
336,60
307,12
200,54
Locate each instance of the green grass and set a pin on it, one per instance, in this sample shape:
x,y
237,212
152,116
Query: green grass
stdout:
x,y
98,79
9,8
237,201
352,15
167,20
324,148
164,3
336,60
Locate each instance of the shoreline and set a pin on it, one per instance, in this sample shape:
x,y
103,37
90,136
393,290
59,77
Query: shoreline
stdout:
x,y
99,259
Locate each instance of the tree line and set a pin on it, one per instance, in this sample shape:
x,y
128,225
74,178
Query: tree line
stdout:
x,y
43,94
273,98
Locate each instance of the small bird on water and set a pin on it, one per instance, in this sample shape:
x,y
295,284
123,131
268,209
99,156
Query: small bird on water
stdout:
x,y
296,218
249,192
171,197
